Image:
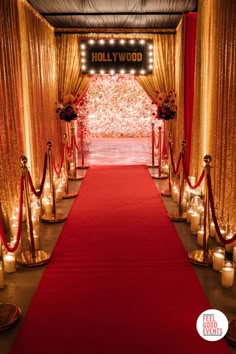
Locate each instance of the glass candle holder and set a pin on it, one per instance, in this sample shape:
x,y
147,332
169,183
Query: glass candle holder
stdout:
x,y
189,214
195,221
218,258
227,274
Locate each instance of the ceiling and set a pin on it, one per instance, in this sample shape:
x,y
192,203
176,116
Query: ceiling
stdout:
x,y
113,15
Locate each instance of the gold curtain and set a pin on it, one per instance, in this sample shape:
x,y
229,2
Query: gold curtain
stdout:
x,y
176,126
163,76
214,128
69,65
39,71
11,122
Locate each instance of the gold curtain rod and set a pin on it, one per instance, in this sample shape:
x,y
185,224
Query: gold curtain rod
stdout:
x,y
115,30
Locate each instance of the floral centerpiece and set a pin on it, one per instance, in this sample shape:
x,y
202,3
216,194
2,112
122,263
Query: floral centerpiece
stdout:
x,y
166,105
67,107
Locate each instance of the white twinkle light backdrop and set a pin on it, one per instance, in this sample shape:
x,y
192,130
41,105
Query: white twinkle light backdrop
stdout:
x,y
117,106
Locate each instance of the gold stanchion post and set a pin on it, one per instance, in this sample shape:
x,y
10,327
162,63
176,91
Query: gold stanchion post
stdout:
x,y
153,148
167,192
73,174
159,175
179,216
68,194
53,217
204,256
32,257
83,166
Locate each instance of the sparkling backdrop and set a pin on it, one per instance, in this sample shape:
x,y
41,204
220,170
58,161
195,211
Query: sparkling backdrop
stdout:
x,y
117,106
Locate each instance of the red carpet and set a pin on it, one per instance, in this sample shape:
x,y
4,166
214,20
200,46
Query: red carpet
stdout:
x,y
119,281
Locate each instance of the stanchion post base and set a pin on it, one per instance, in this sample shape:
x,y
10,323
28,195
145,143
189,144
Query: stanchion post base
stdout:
x,y
159,176
166,193
59,217
75,178
9,315
70,195
152,166
200,257
177,217
25,258
82,167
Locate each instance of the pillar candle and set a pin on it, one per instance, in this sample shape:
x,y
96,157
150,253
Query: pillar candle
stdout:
x,y
218,258
189,214
200,236
227,274
9,262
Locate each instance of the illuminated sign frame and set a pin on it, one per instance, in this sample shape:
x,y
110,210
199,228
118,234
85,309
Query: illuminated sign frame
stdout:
x,y
116,56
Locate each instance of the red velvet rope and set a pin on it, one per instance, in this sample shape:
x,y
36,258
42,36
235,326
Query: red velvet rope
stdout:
x,y
155,144
33,190
77,146
68,152
69,148
172,160
211,200
2,234
188,181
61,162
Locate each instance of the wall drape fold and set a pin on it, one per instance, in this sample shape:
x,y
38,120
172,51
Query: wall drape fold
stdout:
x,y
190,25
11,117
39,70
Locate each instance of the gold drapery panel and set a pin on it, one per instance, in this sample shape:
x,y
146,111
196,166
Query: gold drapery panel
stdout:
x,y
11,122
163,76
39,70
176,126
69,65
215,111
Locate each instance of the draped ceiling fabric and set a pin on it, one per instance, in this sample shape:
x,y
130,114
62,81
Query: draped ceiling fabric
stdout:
x,y
214,108
113,14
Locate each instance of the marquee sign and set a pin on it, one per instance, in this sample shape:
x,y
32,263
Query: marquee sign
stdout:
x,y
119,56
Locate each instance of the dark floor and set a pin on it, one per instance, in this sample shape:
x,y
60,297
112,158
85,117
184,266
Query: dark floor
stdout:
x,y
20,286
